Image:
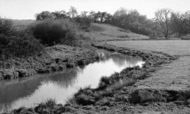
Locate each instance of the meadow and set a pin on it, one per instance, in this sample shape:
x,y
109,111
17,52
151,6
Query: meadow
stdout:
x,y
173,47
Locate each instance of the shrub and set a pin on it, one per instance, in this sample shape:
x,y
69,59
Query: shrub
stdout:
x,y
18,46
15,43
51,32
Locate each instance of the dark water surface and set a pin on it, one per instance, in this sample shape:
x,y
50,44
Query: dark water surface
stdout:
x,y
61,86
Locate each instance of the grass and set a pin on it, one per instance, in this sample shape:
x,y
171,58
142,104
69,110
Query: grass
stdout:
x,y
102,32
173,47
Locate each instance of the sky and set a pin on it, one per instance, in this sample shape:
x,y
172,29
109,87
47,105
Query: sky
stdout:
x,y
27,9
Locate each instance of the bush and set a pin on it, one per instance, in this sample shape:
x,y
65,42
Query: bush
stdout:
x,y
51,32
18,46
15,43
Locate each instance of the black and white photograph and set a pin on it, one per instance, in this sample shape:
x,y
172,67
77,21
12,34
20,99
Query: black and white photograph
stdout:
x,y
94,56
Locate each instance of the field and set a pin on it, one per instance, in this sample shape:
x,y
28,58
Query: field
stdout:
x,y
173,47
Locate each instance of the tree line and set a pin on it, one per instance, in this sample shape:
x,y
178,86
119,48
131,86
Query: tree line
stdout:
x,y
166,23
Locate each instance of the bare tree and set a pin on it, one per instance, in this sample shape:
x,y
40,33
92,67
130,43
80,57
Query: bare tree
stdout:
x,y
162,17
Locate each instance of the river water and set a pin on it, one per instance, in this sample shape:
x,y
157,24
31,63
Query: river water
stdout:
x,y
61,86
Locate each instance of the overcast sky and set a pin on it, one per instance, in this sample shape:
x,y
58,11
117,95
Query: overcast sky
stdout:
x,y
26,9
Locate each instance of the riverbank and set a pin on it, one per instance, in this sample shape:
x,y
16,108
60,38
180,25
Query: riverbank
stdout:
x,y
52,59
118,93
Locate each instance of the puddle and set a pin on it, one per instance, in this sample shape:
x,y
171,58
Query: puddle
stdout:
x,y
61,86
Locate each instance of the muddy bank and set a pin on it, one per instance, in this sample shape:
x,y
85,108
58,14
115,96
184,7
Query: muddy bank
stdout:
x,y
53,59
116,94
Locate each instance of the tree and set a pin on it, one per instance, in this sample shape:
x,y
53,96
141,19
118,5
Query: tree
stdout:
x,y
186,22
180,23
162,17
108,18
177,23
60,14
73,12
45,15
100,16
133,21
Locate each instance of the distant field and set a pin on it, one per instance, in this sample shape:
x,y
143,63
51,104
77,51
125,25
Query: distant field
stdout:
x,y
173,47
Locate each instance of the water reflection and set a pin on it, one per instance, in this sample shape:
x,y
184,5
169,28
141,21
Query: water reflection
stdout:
x,y
62,86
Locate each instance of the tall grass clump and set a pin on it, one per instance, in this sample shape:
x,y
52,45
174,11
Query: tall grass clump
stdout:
x,y
51,32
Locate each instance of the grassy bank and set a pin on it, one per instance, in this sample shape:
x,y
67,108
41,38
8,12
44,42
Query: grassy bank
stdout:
x,y
52,59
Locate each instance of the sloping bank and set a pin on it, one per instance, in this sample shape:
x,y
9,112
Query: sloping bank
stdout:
x,y
114,94
52,59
